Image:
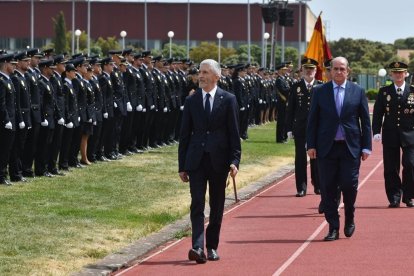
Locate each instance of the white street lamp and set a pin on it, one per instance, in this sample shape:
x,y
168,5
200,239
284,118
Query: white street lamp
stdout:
x,y
123,34
265,37
219,37
77,34
170,35
382,72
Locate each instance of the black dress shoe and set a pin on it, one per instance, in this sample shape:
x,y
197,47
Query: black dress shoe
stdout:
x,y
57,172
48,174
349,229
409,203
28,174
301,194
320,208
5,182
394,205
197,255
18,179
332,235
212,255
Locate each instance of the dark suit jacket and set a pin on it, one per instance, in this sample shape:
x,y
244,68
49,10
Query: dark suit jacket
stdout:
x,y
219,136
323,120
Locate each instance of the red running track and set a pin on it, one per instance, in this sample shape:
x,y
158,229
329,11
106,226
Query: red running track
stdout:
x,y
275,233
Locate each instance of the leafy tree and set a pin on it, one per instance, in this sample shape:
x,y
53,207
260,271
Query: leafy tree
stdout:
x,y
209,50
177,51
110,43
60,42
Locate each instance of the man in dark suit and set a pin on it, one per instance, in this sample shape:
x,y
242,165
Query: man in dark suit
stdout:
x,y
209,148
394,115
339,136
297,111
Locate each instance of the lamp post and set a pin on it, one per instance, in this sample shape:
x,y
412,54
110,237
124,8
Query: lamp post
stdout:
x,y
381,73
265,37
170,35
123,34
77,34
219,37
301,2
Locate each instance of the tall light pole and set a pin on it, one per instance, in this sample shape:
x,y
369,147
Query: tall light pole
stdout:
x,y
188,29
123,34
32,23
145,26
300,30
77,33
89,28
248,32
170,35
265,37
219,37
73,27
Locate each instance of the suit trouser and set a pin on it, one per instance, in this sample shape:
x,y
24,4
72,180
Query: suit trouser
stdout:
x,y
30,149
198,186
394,187
43,147
93,149
6,143
339,167
15,164
55,148
281,125
301,163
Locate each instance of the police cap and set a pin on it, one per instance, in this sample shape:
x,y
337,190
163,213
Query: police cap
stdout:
x,y
397,66
309,62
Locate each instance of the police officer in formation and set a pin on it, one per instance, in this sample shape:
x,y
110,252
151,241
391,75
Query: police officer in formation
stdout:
x,y
55,109
283,88
296,121
393,123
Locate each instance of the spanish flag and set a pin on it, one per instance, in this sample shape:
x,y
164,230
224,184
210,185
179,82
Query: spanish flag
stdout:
x,y
318,48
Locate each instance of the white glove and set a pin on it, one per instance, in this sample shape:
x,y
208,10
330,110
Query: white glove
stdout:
x,y
182,108
377,137
70,125
290,135
22,125
115,105
105,115
242,109
45,123
61,121
129,107
165,109
144,110
8,125
260,101
94,123
78,119
248,105
90,121
152,107
139,108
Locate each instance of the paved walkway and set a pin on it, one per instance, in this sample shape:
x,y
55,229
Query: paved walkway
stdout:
x,y
275,233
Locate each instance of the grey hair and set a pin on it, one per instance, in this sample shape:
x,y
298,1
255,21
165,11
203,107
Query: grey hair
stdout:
x,y
215,67
342,59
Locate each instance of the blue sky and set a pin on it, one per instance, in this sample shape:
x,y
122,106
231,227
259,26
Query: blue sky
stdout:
x,y
377,20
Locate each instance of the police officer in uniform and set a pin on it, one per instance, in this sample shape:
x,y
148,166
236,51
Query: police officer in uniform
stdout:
x,y
24,121
241,91
393,123
297,111
7,114
283,89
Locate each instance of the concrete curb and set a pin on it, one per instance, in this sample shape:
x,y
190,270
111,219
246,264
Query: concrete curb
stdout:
x,y
135,252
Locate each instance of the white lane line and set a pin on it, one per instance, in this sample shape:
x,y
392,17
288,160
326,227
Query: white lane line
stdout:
x,y
228,211
317,231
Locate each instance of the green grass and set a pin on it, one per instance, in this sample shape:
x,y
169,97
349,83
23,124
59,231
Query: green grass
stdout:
x,y
56,226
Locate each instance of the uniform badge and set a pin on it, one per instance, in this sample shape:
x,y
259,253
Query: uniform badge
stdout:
x,y
388,98
22,82
47,87
116,74
138,76
298,90
109,82
81,83
71,91
33,78
89,88
9,86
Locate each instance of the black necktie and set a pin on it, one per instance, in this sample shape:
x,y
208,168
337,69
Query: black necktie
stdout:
x,y
399,91
207,108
